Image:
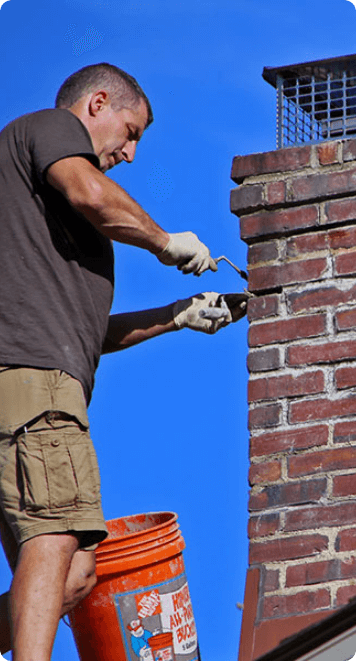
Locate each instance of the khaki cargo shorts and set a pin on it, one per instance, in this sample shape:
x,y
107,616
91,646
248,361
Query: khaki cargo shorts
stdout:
x,y
49,477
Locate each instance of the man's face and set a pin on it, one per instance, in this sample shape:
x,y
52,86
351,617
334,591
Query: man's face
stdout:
x,y
116,134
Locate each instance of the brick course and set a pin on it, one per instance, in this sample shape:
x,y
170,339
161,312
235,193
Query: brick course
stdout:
x,y
286,330
301,602
290,159
290,385
289,440
281,495
289,548
284,221
277,275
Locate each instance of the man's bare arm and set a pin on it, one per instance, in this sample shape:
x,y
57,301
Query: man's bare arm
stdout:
x,y
105,204
207,312
131,328
116,214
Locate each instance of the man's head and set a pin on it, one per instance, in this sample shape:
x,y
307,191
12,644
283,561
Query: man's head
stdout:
x,y
112,106
124,90
136,628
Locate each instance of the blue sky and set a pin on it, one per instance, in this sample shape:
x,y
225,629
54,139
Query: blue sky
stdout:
x,y
169,417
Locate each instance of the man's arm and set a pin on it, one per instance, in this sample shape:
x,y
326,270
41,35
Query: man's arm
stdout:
x,y
207,313
127,329
105,204
116,214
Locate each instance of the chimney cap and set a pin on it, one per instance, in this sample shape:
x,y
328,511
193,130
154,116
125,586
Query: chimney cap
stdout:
x,y
318,68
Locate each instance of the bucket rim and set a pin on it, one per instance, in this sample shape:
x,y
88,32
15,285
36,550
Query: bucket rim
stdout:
x,y
172,518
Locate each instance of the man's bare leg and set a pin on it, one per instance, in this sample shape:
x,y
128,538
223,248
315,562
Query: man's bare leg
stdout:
x,y
80,581
37,594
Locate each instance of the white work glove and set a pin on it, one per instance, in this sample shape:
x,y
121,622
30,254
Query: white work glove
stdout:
x,y
209,311
188,253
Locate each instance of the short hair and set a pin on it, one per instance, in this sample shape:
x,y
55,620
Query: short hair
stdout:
x,y
124,90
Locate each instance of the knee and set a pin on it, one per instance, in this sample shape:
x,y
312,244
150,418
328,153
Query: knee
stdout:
x,y
81,579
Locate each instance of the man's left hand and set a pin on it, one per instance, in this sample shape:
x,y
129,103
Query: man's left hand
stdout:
x,y
210,311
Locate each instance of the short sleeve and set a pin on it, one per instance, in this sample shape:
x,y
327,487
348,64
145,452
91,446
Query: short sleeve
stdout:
x,y
55,134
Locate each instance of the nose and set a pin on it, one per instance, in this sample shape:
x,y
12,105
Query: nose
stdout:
x,y
129,150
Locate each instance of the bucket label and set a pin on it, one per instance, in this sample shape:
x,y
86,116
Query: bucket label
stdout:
x,y
157,622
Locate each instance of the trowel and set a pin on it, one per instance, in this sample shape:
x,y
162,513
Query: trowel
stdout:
x,y
236,303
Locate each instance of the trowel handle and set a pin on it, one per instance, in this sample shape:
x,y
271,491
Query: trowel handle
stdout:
x,y
243,274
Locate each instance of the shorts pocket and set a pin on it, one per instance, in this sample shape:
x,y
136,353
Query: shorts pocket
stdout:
x,y
58,469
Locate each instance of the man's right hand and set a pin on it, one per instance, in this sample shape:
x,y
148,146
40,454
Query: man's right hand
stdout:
x,y
188,253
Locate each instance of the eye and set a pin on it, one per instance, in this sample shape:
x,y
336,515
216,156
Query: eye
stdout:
x,y
133,134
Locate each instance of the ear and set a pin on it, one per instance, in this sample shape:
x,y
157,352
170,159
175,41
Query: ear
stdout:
x,y
98,101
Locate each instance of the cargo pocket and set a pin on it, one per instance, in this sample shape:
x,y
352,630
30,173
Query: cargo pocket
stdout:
x,y
59,470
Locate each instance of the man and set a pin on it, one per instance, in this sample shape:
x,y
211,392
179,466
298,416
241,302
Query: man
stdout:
x,y
58,216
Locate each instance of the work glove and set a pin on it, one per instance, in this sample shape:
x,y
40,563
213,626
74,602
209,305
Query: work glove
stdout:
x,y
188,253
209,311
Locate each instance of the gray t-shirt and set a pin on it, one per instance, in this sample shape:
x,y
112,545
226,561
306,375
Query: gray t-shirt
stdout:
x,y
56,269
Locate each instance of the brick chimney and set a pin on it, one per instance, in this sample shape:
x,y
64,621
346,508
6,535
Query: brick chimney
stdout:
x,y
297,209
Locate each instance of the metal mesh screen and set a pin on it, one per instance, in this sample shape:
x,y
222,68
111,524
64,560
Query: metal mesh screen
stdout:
x,y
311,110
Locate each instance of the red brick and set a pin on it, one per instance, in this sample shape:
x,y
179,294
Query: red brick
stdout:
x,y
270,223
258,501
289,441
270,580
318,517
321,409
268,471
302,602
344,485
247,198
277,275
312,573
290,548
275,193
320,298
349,150
263,252
264,360
263,306
346,540
329,352
265,416
283,495
327,153
286,330
345,432
343,237
281,160
345,264
345,594
345,377
317,186
273,387
340,210
263,525
322,461
307,243
346,320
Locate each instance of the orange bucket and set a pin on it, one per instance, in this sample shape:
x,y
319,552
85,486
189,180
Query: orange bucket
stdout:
x,y
140,608
162,647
